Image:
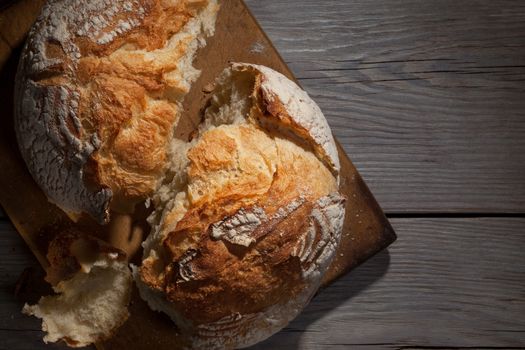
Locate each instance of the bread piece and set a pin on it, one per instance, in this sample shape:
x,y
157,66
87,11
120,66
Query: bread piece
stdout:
x,y
252,216
93,283
98,92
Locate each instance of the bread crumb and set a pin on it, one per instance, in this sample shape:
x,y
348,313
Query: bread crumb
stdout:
x,y
257,48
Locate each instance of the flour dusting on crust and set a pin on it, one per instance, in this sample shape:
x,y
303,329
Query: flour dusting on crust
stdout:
x,y
301,108
89,95
237,228
252,218
240,331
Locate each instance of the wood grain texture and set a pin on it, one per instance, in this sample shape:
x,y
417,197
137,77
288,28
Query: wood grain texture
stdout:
x,y
450,283
427,98
446,282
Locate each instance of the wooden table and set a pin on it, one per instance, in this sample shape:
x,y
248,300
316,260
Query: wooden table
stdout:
x,y
428,99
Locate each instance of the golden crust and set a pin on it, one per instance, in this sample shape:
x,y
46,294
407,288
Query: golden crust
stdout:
x,y
163,19
228,279
252,219
114,73
231,162
122,88
233,169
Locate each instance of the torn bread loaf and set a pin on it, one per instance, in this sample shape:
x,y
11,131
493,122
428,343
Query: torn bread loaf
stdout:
x,y
251,218
93,286
98,92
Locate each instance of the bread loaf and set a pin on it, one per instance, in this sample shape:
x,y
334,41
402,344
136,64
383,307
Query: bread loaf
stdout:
x,y
98,92
247,214
252,217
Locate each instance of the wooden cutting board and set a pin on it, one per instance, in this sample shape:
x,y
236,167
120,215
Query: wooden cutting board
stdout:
x,y
238,38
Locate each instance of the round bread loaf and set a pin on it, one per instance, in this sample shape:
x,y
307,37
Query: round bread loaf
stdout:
x,y
252,216
98,92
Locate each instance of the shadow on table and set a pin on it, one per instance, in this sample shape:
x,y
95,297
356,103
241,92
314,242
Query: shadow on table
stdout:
x,y
328,300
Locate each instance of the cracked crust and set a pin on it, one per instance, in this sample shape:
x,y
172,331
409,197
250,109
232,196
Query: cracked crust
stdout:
x,y
289,108
253,221
98,93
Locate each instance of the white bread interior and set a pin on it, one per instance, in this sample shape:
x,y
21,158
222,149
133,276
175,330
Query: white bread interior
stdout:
x,y
88,307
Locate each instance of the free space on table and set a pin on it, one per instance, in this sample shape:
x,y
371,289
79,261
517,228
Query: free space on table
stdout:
x,y
428,99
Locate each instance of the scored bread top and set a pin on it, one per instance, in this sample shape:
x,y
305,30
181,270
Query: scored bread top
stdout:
x,y
98,93
248,195
252,217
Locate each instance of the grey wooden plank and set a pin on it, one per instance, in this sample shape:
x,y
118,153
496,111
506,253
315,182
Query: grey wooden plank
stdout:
x,y
14,258
427,98
445,282
16,330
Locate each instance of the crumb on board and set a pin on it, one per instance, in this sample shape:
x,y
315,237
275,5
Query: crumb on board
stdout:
x,y
257,47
